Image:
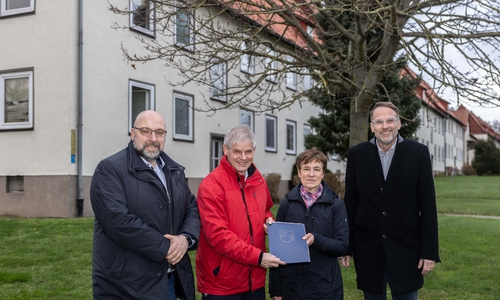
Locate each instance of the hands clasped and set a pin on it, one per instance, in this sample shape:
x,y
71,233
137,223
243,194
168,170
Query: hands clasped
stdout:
x,y
178,247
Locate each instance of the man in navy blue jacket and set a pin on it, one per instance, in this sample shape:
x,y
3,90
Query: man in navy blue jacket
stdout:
x,y
391,208
146,219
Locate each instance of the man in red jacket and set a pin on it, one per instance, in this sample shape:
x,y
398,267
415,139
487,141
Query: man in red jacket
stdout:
x,y
234,204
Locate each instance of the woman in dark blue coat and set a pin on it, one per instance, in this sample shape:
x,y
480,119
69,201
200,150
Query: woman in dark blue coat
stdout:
x,y
324,215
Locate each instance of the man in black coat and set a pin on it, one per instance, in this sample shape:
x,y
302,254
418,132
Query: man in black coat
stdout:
x,y
391,207
146,219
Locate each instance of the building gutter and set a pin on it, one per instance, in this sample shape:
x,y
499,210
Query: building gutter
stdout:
x,y
79,200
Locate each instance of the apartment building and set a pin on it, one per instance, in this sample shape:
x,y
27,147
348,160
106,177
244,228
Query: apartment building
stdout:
x,y
68,99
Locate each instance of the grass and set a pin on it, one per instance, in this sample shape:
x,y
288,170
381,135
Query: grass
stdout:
x,y
51,258
477,195
45,258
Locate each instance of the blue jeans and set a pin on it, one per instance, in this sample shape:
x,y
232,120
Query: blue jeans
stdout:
x,y
171,288
388,280
259,294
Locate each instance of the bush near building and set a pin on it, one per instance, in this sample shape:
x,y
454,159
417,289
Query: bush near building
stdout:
x,y
486,158
273,182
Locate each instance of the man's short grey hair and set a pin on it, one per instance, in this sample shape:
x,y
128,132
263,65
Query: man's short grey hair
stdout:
x,y
239,134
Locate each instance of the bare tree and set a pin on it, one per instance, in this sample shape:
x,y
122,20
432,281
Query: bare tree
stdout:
x,y
495,124
452,43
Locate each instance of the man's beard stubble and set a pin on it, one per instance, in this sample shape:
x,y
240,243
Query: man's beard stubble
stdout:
x,y
148,156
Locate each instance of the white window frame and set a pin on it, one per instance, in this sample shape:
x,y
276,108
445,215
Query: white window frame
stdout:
x,y
291,77
150,103
291,148
271,66
16,125
190,18
274,120
190,100
216,142
307,130
247,114
152,24
310,30
247,61
308,83
16,11
219,79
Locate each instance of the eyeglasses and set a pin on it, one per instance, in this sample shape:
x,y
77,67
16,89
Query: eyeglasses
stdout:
x,y
147,132
389,121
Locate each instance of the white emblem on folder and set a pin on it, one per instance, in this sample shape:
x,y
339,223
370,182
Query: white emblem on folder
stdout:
x,y
287,236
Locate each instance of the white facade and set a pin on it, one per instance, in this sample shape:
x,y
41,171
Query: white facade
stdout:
x,y
446,139
38,168
38,133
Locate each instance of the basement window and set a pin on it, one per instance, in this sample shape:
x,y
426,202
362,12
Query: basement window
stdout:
x,y
15,184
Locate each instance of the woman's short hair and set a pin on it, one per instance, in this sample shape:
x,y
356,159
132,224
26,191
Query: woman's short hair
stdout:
x,y
312,155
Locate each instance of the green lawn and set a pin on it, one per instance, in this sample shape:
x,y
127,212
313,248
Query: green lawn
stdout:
x,y
51,258
477,195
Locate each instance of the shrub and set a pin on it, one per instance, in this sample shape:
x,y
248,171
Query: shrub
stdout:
x,y
336,182
468,170
486,158
273,182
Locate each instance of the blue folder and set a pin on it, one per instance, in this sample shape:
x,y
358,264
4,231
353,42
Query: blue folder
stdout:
x,y
286,243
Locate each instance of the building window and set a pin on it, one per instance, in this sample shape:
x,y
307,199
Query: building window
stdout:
x,y
16,100
432,135
271,132
291,77
218,80
15,184
215,151
291,137
271,66
307,129
310,30
183,117
307,82
247,63
141,98
142,16
246,118
16,7
184,28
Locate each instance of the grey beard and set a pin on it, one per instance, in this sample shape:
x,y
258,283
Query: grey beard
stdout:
x,y
150,157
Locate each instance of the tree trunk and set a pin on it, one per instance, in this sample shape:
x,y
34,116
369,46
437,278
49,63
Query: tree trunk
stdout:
x,y
360,111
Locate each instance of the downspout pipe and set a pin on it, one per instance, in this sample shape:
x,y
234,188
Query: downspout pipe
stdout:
x,y
79,200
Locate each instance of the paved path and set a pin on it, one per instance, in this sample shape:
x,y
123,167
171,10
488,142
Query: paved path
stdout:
x,y
472,216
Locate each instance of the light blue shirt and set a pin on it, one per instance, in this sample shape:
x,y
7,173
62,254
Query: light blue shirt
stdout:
x,y
386,157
